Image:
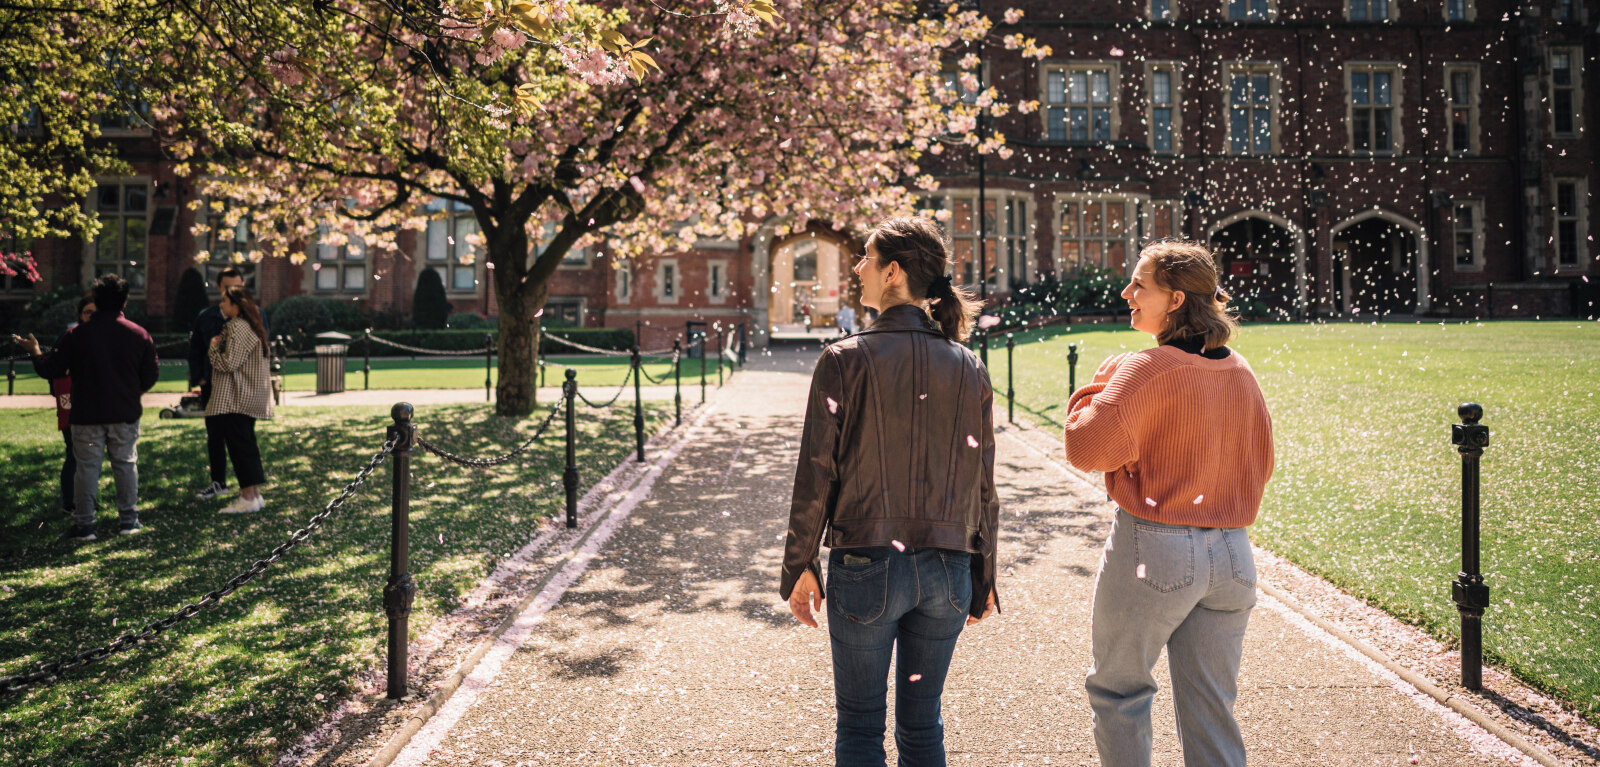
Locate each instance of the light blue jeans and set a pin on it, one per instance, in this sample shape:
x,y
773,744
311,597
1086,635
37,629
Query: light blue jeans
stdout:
x,y
1190,590
90,446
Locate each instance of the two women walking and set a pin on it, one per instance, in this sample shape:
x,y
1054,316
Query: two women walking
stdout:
x,y
896,475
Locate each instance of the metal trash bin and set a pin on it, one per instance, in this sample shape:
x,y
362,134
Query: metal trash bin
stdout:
x,y
330,363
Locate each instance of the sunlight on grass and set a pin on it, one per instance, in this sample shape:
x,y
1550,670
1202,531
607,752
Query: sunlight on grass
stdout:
x,y
240,681
1366,490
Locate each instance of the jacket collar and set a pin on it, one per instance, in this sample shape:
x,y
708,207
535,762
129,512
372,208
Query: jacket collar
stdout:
x,y
903,317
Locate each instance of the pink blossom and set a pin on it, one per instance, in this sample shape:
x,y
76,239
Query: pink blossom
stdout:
x,y
509,39
1013,16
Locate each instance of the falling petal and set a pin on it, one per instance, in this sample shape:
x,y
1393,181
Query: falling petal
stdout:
x,y
922,396
1199,498
988,321
915,678
973,442
1139,573
898,545
833,407
1151,502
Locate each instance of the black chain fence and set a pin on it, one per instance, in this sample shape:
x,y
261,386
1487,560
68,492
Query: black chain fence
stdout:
x,y
52,670
453,458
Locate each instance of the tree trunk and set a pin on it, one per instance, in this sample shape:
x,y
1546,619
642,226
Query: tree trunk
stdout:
x,y
516,394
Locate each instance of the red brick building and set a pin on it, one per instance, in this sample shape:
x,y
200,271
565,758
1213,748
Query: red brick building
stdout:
x,y
1346,157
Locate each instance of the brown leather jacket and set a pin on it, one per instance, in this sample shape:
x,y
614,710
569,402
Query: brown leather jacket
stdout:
x,y
898,446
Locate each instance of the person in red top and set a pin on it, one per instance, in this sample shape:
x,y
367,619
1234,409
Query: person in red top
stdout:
x,y
1184,438
61,389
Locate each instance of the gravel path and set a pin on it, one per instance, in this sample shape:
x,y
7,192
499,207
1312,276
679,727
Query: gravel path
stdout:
x,y
672,647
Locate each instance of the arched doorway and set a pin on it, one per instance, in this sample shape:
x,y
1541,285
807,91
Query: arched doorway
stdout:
x,y
1261,261
807,284
1377,256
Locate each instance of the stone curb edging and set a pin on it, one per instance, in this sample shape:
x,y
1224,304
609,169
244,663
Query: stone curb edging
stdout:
x,y
1421,683
449,685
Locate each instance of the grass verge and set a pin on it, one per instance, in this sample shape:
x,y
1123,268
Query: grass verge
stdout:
x,y
1367,488
237,683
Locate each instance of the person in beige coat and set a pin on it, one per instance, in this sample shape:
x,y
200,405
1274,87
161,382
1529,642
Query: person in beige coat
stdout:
x,y
241,393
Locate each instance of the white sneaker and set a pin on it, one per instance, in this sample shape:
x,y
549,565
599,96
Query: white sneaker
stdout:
x,y
242,505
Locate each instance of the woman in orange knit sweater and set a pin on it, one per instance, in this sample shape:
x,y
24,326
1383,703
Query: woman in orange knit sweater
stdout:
x,y
1183,436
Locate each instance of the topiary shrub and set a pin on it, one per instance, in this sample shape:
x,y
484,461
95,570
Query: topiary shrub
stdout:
x,y
309,315
429,307
466,321
190,300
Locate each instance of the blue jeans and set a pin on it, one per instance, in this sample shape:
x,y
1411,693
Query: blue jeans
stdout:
x,y
918,599
1190,590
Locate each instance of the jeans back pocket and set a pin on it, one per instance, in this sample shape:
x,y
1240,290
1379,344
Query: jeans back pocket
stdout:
x,y
1241,556
1165,556
958,575
859,593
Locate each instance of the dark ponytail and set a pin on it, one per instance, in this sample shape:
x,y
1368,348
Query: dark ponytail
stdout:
x,y
250,313
917,245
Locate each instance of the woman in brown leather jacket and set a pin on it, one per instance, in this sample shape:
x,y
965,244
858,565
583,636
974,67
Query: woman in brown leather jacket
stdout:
x,y
897,473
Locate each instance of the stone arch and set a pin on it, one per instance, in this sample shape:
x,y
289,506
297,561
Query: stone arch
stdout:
x,y
768,247
1297,237
1346,261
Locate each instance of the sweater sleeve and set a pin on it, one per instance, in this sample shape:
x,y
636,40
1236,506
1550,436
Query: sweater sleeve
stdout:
x,y
1097,434
149,365
57,362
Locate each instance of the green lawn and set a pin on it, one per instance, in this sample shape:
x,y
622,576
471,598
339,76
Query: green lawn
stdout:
x,y
425,373
239,682
1367,487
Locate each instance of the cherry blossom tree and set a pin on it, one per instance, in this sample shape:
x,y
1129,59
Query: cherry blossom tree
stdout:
x,y
641,124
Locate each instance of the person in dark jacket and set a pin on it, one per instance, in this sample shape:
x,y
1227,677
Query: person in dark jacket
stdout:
x,y
207,326
61,389
896,473
112,362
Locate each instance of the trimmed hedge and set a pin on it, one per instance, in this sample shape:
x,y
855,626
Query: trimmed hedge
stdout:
x,y
617,339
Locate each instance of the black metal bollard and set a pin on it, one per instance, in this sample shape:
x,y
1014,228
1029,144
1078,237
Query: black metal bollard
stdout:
x,y
1011,394
488,351
703,335
677,382
11,377
366,361
1471,594
399,592
983,347
1072,367
569,479
722,352
275,366
638,403
744,341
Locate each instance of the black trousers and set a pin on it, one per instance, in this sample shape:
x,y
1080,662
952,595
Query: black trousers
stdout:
x,y
237,434
216,448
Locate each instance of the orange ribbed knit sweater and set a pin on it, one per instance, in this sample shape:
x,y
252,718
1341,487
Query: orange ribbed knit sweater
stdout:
x,y
1182,439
